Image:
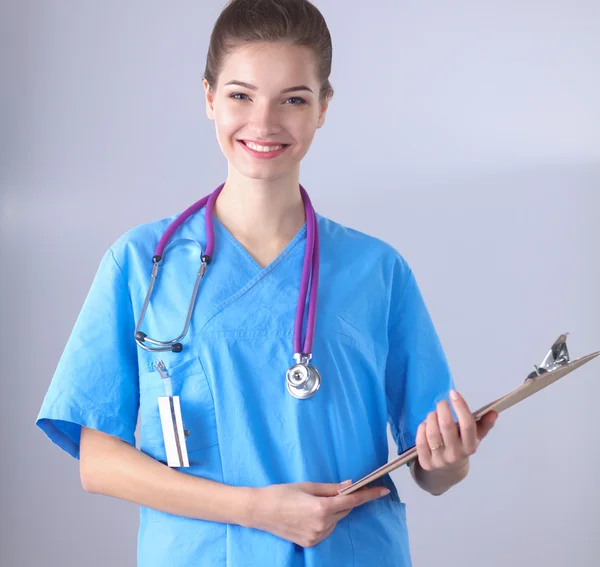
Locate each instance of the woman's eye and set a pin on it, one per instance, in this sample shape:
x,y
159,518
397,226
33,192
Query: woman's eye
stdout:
x,y
301,100
240,96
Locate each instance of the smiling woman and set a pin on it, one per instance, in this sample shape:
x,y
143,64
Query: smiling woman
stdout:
x,y
231,468
264,122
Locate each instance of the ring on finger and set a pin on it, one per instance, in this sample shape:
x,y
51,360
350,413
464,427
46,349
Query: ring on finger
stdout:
x,y
440,445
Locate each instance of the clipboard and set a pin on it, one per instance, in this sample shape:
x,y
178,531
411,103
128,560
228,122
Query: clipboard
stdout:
x,y
555,365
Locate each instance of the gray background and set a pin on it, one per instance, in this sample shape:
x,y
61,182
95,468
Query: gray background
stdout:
x,y
465,133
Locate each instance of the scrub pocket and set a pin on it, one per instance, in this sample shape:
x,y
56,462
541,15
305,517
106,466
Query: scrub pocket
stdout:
x,y
189,382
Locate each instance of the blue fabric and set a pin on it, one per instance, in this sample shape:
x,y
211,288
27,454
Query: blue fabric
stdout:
x,y
375,347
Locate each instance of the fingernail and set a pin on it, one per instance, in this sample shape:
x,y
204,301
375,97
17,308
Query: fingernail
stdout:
x,y
384,492
347,482
453,394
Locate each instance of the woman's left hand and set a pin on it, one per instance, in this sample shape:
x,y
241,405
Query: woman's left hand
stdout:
x,y
442,443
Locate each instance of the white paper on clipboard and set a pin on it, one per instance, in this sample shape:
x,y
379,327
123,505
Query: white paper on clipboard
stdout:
x,y
528,388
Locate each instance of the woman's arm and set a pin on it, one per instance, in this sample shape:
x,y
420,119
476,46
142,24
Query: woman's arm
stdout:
x,y
304,512
113,467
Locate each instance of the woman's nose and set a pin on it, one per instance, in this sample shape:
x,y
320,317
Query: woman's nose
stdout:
x,y
265,118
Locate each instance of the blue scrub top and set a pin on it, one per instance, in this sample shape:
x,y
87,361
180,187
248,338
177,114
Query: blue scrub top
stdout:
x,y
375,346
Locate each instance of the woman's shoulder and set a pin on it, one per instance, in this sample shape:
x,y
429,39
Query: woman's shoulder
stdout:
x,y
356,243
140,240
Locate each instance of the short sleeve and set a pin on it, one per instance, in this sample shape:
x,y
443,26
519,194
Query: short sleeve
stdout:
x,y
417,371
96,381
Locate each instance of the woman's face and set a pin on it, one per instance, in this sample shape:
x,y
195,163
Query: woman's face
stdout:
x,y
267,94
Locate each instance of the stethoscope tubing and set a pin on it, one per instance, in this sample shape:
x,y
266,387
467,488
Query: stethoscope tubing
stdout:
x,y
310,271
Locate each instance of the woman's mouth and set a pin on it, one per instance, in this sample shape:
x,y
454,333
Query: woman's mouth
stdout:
x,y
263,151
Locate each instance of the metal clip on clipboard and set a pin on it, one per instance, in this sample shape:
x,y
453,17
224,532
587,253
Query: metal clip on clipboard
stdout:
x,y
555,365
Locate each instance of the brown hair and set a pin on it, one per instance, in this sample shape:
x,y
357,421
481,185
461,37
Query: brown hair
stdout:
x,y
250,21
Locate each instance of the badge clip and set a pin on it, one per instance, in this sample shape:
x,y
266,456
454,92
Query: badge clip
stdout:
x,y
171,421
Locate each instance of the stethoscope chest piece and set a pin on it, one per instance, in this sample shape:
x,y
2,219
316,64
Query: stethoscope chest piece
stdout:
x,y
302,379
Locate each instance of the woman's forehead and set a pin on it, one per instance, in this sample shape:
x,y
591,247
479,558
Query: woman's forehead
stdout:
x,y
271,64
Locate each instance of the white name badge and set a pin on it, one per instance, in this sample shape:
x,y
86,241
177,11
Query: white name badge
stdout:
x,y
173,433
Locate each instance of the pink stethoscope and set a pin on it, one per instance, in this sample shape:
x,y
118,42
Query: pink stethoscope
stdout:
x,y
302,378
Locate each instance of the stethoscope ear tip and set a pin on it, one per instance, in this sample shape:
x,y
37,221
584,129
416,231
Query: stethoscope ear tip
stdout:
x,y
140,336
177,347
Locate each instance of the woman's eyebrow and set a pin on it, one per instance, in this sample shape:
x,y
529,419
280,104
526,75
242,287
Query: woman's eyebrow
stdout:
x,y
253,88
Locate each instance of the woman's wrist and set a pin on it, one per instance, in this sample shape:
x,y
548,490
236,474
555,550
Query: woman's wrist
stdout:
x,y
438,481
249,506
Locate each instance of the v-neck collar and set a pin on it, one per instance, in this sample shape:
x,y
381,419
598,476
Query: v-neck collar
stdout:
x,y
257,267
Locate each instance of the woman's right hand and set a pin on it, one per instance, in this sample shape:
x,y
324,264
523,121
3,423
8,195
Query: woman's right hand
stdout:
x,y
306,512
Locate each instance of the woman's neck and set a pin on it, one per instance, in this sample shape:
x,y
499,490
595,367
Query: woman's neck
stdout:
x,y
258,211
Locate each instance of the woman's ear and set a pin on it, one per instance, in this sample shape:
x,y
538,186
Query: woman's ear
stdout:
x,y
322,112
210,98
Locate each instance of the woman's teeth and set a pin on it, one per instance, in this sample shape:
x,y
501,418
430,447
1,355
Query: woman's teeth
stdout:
x,y
258,148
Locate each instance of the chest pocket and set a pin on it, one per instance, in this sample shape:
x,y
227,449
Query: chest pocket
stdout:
x,y
190,383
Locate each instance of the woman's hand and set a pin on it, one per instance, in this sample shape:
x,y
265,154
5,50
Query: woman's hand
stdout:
x,y
306,512
443,444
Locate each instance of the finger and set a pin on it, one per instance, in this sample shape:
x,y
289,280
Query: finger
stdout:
x,y
347,502
337,516
434,439
328,532
449,431
322,488
466,423
486,423
423,449
324,535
